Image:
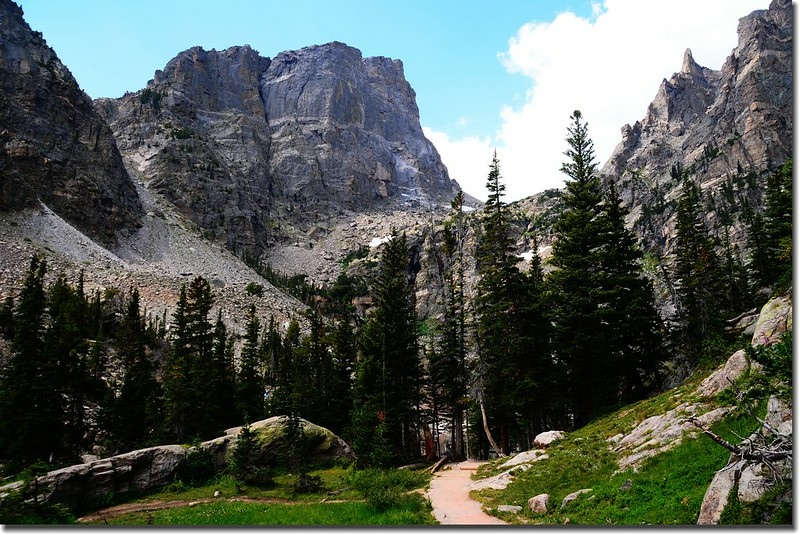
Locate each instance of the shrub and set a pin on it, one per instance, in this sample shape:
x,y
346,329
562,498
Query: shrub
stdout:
x,y
384,489
16,510
307,484
243,467
198,466
254,288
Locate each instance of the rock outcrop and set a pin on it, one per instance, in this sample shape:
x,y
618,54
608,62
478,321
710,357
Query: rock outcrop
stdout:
x,y
150,468
54,147
321,443
729,129
662,432
261,151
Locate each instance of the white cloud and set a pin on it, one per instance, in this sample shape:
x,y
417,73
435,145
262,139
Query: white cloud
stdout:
x,y
467,160
609,66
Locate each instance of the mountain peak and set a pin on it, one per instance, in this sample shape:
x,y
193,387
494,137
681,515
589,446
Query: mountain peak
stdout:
x,y
690,66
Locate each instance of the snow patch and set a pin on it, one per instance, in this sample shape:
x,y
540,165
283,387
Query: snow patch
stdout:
x,y
527,255
378,241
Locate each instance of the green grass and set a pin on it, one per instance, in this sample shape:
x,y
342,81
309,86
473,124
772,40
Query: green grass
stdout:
x,y
350,497
251,514
666,490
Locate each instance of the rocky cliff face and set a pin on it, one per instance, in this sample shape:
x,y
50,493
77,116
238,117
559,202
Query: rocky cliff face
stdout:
x,y
54,147
258,151
728,129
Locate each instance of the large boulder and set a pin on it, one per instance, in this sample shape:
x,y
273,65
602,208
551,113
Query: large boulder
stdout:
x,y
548,437
526,457
270,437
79,484
150,468
723,376
774,320
716,496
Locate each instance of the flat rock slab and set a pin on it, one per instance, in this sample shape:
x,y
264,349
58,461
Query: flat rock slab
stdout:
x,y
450,498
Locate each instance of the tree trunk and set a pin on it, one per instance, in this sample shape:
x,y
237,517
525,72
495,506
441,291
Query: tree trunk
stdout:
x,y
486,430
458,434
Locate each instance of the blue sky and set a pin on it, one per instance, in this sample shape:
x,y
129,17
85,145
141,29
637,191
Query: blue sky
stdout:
x,y
488,75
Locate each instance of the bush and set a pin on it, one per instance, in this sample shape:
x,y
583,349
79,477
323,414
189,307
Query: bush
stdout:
x,y
384,489
198,466
306,484
243,467
16,510
254,289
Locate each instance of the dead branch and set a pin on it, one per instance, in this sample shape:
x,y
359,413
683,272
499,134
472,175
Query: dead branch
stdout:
x,y
440,462
715,437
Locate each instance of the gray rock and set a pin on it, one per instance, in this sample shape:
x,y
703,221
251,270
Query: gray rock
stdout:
x,y
509,508
571,497
754,482
538,504
151,468
724,123
716,496
257,151
779,416
721,379
548,437
525,457
774,320
54,147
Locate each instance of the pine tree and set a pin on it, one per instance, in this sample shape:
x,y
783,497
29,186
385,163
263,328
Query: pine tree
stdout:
x,y
186,375
388,374
343,354
249,383
576,285
509,325
31,426
135,418
698,274
313,373
770,234
632,335
497,289
65,343
178,397
222,383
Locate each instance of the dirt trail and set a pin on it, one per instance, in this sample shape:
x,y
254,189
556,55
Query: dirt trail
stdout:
x,y
450,498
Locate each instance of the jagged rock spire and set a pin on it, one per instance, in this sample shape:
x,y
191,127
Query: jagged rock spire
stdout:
x,y
689,65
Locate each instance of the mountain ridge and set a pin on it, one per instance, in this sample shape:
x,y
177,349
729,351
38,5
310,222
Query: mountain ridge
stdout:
x,y
258,151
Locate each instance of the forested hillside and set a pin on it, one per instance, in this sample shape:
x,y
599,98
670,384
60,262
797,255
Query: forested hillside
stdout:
x,y
411,331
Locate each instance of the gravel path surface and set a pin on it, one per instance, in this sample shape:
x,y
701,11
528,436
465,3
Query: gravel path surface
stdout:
x,y
450,498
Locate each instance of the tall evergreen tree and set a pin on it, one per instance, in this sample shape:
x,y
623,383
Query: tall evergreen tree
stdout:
x,y
604,322
343,345
187,374
387,390
498,287
574,282
178,395
30,398
249,382
632,337
698,273
66,344
222,380
447,363
508,324
136,412
770,234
